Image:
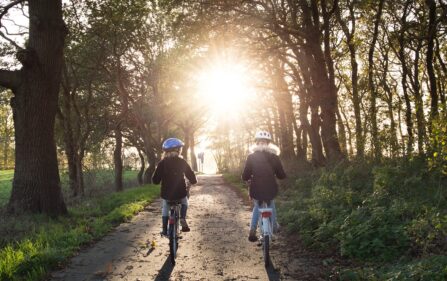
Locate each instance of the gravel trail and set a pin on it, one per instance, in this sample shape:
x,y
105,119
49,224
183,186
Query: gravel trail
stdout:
x,y
216,248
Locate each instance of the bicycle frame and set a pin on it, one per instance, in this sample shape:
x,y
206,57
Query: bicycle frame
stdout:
x,y
265,220
266,230
173,229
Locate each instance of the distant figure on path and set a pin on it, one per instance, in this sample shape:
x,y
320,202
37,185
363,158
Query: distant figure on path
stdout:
x,y
201,157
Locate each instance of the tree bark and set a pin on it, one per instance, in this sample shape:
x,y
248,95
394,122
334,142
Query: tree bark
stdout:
x,y
36,185
323,86
432,26
118,160
142,167
420,118
376,148
350,36
192,151
404,76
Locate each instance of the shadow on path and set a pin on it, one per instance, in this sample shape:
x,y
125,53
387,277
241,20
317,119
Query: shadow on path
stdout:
x,y
272,273
165,271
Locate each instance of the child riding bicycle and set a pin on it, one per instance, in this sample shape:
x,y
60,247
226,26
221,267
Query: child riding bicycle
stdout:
x,y
261,168
171,172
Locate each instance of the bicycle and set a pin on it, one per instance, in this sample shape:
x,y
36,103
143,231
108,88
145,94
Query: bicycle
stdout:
x,y
266,229
173,228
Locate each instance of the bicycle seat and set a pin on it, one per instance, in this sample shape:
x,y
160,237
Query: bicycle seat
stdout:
x,y
267,202
174,202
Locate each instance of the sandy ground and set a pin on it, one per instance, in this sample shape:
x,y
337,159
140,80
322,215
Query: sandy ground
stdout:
x,y
217,247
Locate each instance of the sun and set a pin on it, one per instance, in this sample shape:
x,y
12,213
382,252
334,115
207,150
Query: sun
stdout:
x,y
225,88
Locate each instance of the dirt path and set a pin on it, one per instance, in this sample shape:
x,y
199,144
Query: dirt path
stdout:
x,y
216,248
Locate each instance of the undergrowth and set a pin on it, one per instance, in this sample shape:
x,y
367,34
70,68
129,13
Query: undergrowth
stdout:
x,y
390,217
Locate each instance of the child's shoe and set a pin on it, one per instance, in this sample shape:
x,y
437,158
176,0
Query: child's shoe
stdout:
x,y
185,227
164,231
252,236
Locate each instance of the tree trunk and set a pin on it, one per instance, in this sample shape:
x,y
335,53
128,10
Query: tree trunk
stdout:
x,y
142,167
284,103
404,76
80,175
72,170
118,160
36,185
152,160
342,133
360,143
6,143
187,143
318,158
420,119
192,153
430,58
376,149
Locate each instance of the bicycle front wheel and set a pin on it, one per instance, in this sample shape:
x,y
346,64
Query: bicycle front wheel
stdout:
x,y
173,243
266,250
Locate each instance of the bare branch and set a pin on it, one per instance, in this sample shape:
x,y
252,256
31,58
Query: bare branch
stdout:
x,y
9,6
10,41
14,34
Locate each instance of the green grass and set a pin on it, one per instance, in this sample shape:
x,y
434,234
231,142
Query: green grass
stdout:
x,y
37,244
5,185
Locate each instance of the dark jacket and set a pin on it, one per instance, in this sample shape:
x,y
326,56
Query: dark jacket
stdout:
x,y
261,168
171,172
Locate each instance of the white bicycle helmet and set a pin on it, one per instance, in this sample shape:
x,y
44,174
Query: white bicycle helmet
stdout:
x,y
263,135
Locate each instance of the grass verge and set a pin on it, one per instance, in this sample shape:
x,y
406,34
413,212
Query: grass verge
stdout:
x,y
41,244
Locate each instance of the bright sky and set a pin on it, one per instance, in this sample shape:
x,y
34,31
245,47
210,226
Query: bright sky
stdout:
x,y
226,87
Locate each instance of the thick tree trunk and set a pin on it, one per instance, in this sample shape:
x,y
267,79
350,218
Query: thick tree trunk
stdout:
x,y
36,184
118,160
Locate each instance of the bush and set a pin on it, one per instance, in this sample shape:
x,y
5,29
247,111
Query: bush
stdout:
x,y
377,213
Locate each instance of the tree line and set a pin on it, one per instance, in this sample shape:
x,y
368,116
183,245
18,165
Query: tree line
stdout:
x,y
341,80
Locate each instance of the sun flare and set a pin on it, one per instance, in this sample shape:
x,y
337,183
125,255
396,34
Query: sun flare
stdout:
x,y
226,88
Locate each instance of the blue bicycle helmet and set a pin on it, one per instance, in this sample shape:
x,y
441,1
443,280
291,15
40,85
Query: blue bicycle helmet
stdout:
x,y
172,143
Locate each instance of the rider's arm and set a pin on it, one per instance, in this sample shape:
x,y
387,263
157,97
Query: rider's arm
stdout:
x,y
279,170
190,174
156,178
247,173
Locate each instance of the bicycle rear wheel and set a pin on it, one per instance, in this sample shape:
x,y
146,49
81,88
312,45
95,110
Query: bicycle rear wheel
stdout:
x,y
266,250
173,245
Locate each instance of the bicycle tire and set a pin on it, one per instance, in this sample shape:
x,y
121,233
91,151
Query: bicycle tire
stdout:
x,y
172,244
266,250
